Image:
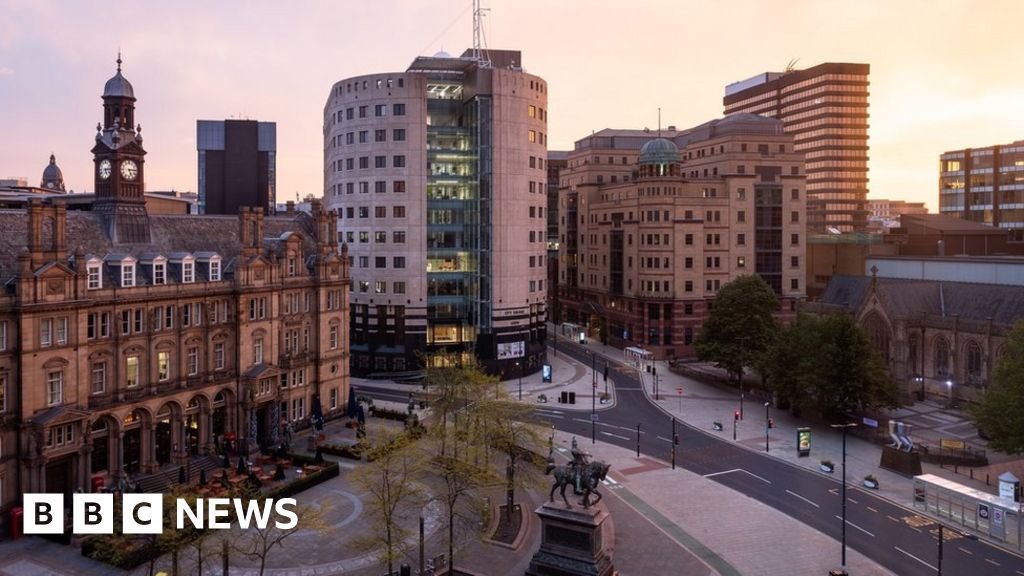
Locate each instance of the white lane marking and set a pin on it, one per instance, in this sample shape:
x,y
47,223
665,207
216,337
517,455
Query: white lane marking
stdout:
x,y
852,500
549,411
581,420
991,561
804,499
546,415
838,517
665,439
610,481
898,549
615,435
966,551
765,480
872,509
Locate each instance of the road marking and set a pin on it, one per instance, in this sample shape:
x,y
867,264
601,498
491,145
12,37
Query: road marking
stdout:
x,y
966,551
872,509
838,517
896,520
802,498
993,562
833,491
627,388
665,439
915,558
852,500
546,415
765,480
610,481
581,420
615,435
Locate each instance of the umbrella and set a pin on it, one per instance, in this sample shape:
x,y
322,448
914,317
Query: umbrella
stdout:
x,y
316,414
360,414
350,410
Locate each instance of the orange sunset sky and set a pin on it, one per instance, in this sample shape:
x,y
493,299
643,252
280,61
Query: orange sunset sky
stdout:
x,y
945,74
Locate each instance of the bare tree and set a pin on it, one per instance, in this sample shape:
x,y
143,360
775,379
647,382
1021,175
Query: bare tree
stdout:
x,y
257,543
389,480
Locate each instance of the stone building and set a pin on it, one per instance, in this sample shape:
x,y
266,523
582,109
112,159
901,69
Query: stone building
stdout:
x,y
131,341
651,228
939,339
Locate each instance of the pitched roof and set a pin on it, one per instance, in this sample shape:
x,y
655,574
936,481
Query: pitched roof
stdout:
x,y
168,233
941,223
907,298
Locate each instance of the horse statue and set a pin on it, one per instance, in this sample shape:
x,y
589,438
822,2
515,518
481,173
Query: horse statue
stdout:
x,y
589,475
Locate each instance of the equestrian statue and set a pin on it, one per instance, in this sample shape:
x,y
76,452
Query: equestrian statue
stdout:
x,y
582,474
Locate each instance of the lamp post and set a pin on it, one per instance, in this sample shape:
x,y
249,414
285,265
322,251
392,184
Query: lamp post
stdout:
x,y
521,367
743,342
969,536
920,381
674,442
767,422
949,391
593,399
844,427
654,371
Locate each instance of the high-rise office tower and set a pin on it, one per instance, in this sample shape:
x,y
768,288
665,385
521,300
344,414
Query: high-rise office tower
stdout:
x,y
984,185
825,108
438,177
237,165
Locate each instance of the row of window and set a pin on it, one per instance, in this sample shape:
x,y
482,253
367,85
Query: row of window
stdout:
x,y
379,187
380,237
379,161
379,111
157,271
659,286
382,262
363,136
380,287
378,211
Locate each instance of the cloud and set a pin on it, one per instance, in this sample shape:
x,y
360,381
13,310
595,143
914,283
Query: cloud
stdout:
x,y
5,71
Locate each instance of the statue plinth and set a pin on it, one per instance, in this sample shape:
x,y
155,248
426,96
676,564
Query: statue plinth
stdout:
x,y
574,542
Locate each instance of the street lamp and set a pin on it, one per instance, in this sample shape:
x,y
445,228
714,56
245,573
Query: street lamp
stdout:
x,y
845,427
767,425
920,380
593,398
949,391
958,532
521,367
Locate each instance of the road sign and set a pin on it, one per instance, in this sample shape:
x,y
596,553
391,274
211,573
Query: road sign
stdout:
x,y
679,390
869,422
593,417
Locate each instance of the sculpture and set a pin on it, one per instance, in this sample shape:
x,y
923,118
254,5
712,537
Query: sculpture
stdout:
x,y
586,475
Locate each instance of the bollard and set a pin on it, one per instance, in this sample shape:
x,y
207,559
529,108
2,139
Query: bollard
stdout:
x,y
986,480
956,468
972,473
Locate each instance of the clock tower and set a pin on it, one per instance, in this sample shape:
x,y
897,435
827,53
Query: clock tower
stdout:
x,y
118,159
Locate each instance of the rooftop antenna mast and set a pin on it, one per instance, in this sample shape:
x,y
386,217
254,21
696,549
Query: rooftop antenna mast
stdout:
x,y
479,41
659,121
792,65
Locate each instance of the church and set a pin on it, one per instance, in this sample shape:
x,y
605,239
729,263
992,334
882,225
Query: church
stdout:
x,y
133,343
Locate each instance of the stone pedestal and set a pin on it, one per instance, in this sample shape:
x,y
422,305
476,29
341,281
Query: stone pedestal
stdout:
x,y
906,463
574,542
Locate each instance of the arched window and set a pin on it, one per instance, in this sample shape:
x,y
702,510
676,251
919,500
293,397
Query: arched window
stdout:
x,y
974,368
941,357
913,356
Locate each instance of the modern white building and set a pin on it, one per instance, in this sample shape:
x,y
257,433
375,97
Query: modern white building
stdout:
x,y
438,178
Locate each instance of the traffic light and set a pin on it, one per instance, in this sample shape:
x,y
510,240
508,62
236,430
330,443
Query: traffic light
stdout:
x,y
675,439
736,415
771,422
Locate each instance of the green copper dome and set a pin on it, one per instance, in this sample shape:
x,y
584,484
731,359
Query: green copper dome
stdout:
x,y
659,151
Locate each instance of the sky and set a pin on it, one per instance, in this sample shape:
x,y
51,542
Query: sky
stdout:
x,y
945,74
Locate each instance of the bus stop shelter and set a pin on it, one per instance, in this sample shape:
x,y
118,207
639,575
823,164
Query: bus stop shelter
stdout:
x,y
971,509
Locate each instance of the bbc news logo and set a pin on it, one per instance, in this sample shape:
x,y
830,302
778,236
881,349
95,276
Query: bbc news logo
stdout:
x,y
144,513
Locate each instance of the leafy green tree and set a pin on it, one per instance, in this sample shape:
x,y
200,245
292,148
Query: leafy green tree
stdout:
x,y
740,328
828,363
1000,411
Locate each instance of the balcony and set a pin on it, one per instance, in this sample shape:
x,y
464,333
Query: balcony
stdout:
x,y
293,360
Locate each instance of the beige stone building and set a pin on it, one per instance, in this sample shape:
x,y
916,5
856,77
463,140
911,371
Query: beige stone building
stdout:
x,y
130,342
652,227
438,176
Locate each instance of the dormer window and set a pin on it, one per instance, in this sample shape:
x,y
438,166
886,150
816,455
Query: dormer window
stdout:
x,y
188,271
159,273
291,266
127,274
95,273
214,270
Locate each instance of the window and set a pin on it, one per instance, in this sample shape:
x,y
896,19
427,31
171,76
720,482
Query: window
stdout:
x,y
169,317
398,135
794,261
794,239
531,136
380,287
398,211
531,111
95,276
214,270
193,361
398,161
941,357
794,216
398,262
380,211
398,110
99,377
333,402
380,238
741,261
3,335
127,275
688,239
741,239
257,351
794,284
398,186
159,273
795,194
362,111
46,332
333,336
257,308
186,316
398,287
380,161
139,313
218,356
398,237
364,163
3,394
126,321
188,272
54,387
741,216
163,366
380,109
60,436
380,261
298,408
90,326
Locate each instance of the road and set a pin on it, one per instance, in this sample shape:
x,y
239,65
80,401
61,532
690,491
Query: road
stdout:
x,y
898,538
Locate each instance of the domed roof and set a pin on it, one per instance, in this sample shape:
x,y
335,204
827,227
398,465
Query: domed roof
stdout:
x,y
118,86
442,54
659,151
53,178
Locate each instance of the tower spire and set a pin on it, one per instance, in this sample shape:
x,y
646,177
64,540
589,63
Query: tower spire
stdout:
x,y
659,121
119,60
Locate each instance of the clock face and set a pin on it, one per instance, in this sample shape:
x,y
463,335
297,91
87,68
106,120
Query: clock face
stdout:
x,y
105,169
129,170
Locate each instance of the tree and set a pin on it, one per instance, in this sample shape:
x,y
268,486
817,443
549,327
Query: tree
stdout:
x,y
517,440
740,327
389,481
1000,411
257,543
828,363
